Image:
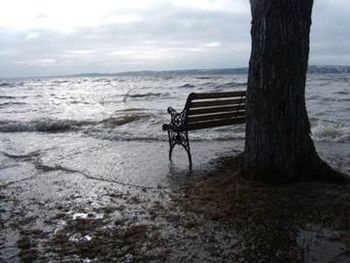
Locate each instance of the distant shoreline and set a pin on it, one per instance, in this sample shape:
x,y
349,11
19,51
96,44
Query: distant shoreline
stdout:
x,y
313,69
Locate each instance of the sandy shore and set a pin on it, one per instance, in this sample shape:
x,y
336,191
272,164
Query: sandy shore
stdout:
x,y
65,208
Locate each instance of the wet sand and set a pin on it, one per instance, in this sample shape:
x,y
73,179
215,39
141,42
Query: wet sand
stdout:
x,y
124,202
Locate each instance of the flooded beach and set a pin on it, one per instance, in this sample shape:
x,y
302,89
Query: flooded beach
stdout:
x,y
85,175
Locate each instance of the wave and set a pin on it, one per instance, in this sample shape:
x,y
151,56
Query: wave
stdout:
x,y
126,137
113,122
231,85
342,92
148,94
7,97
345,99
321,133
326,83
44,125
56,125
61,81
132,109
187,85
30,155
207,77
163,137
5,104
330,132
80,102
101,80
6,84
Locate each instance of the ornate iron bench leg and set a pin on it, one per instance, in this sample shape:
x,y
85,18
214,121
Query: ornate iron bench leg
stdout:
x,y
186,144
180,138
189,152
172,143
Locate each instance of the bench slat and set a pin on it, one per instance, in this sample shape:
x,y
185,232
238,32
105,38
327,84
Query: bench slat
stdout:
x,y
196,96
217,116
204,125
201,111
211,103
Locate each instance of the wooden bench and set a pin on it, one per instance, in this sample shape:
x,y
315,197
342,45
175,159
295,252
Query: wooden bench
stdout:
x,y
201,111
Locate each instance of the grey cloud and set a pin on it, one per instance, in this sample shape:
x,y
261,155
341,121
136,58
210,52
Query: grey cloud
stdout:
x,y
180,31
330,42
179,35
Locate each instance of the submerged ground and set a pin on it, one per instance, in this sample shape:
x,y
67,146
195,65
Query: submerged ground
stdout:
x,y
130,205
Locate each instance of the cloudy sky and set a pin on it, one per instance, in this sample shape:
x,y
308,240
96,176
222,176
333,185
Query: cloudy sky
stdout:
x,y
53,37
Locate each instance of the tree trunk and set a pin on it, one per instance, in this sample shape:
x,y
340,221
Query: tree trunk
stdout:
x,y
278,145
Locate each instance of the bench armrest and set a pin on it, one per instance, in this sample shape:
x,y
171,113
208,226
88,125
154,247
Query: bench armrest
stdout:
x,y
171,111
177,120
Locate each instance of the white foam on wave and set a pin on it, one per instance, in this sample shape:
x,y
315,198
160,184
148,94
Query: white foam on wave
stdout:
x,y
58,125
44,125
330,132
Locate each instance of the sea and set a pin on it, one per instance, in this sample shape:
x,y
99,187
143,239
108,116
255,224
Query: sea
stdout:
x,y
80,122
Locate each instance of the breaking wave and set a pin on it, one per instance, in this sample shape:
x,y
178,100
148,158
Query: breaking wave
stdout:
x,y
330,132
45,125
56,125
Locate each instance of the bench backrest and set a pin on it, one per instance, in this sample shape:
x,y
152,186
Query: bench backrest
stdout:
x,y
207,110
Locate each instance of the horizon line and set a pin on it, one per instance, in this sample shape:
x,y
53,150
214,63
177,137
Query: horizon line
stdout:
x,y
135,72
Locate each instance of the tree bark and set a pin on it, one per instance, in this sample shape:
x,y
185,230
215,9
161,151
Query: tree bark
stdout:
x,y
278,145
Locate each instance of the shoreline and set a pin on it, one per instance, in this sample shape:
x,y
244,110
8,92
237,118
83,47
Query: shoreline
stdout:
x,y
62,215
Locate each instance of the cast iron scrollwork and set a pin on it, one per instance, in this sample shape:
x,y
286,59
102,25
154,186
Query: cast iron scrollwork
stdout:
x,y
177,132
